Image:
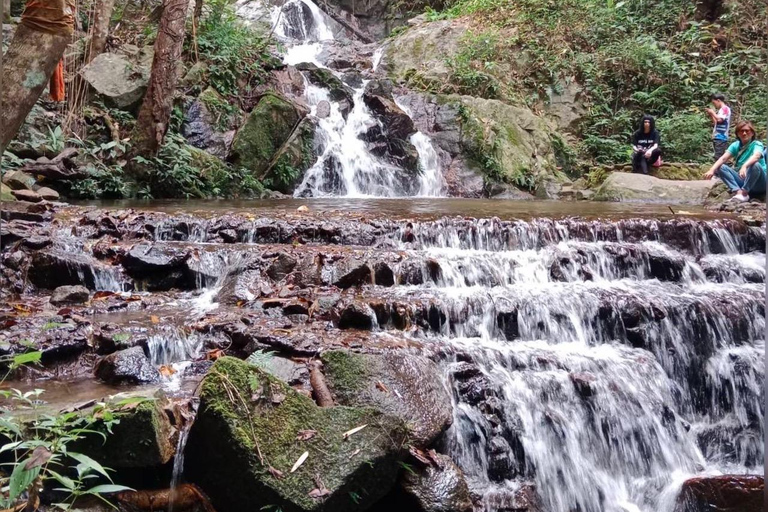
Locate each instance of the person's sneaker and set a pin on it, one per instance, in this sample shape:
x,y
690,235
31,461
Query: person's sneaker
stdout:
x,y
740,198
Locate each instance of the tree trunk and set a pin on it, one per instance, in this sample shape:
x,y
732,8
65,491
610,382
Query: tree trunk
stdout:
x,y
27,67
155,112
101,18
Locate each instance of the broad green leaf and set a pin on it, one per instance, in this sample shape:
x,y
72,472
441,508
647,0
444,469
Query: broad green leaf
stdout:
x,y
108,488
21,479
64,480
88,463
27,358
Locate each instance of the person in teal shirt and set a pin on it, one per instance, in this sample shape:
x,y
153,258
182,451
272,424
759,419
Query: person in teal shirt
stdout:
x,y
748,176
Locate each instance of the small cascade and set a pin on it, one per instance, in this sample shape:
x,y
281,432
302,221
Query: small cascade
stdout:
x,y
178,462
345,165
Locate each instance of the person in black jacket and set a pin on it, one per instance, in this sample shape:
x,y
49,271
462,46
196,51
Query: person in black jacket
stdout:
x,y
645,145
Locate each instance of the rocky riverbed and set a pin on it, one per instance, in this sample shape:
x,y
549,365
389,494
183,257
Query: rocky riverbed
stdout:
x,y
459,344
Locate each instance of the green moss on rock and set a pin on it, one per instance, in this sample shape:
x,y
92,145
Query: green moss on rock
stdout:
x,y
293,159
249,423
266,129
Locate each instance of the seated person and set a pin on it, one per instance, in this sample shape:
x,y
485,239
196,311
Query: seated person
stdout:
x,y
645,145
747,177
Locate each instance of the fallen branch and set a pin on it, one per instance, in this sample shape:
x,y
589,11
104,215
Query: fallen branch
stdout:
x,y
344,23
323,395
61,167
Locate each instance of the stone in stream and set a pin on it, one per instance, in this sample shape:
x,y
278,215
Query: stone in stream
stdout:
x,y
252,429
54,268
403,385
70,295
127,366
323,109
28,196
439,488
48,194
357,315
726,493
19,180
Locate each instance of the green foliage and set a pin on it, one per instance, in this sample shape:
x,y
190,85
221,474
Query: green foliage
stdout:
x,y
234,52
39,447
663,58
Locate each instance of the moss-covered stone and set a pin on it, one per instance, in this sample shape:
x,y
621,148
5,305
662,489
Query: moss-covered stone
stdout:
x,y
407,386
293,159
266,129
5,193
142,439
249,422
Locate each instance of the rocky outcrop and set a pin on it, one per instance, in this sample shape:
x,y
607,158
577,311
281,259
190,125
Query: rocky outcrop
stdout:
x,y
630,187
337,90
439,487
406,386
127,366
264,132
118,80
258,443
727,493
207,124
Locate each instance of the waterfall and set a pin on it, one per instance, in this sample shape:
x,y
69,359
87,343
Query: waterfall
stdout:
x,y
345,166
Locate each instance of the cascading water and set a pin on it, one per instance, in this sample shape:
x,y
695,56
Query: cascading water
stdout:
x,y
345,165
606,372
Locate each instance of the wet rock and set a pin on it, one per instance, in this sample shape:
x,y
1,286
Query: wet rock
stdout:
x,y
337,90
48,194
288,81
27,195
207,122
241,286
142,439
357,315
157,267
356,273
118,80
266,129
323,109
500,465
281,266
584,383
223,457
55,268
405,386
727,493
70,295
439,488
378,98
127,366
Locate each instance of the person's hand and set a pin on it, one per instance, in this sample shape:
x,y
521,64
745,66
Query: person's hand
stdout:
x,y
648,153
743,172
709,174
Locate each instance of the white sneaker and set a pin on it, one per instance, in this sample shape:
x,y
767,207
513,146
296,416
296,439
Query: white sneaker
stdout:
x,y
741,198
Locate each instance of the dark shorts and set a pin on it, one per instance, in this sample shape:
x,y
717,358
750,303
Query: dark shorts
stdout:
x,y
720,147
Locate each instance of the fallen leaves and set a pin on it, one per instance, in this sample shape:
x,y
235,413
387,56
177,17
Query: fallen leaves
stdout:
x,y
40,456
354,431
154,319
214,354
167,370
380,385
320,491
276,472
299,462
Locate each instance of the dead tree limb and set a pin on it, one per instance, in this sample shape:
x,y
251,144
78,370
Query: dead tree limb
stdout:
x,y
344,23
323,395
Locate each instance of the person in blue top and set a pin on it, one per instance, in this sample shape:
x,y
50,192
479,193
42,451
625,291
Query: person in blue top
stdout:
x,y
748,176
721,123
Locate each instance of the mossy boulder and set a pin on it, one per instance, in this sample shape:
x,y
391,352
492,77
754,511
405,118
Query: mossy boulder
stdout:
x,y
5,193
403,385
511,144
142,438
267,128
639,188
293,159
251,429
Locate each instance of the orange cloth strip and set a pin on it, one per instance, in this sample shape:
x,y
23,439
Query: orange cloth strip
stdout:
x,y
50,16
57,83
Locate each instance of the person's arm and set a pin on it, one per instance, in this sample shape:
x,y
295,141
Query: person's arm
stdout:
x,y
650,150
712,170
711,114
756,156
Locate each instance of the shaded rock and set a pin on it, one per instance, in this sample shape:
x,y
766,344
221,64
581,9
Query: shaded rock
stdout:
x,y
406,386
584,383
288,81
27,195
207,122
159,268
630,187
240,286
281,266
264,132
48,194
32,139
127,366
440,488
337,90
117,80
18,180
357,315
378,98
141,439
70,295
727,493
229,437
293,159
55,268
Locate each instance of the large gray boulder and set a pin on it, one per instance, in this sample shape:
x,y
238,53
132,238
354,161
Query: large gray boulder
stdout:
x,y
639,188
407,386
119,81
252,430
